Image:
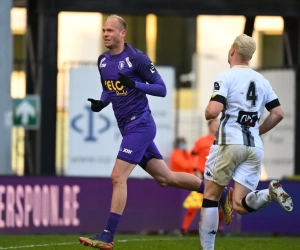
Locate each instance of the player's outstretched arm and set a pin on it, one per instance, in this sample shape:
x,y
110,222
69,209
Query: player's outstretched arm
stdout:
x,y
274,117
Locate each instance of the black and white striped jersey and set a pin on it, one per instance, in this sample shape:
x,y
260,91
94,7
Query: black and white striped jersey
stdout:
x,y
244,93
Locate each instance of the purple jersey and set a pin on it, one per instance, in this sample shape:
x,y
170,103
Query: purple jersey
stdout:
x,y
129,104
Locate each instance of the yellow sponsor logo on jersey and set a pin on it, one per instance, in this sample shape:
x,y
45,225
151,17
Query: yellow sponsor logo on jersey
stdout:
x,y
116,86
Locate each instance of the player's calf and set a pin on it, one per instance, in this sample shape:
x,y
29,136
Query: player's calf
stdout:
x,y
256,200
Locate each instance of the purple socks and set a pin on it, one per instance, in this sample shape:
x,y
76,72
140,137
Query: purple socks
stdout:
x,y
111,227
201,188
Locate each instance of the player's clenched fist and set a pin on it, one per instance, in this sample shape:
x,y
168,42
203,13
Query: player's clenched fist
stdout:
x,y
126,81
96,105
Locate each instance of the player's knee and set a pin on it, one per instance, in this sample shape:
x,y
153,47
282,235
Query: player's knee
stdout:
x,y
163,182
239,209
116,179
167,181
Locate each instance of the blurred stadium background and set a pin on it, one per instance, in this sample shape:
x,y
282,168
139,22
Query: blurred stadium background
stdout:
x,y
56,156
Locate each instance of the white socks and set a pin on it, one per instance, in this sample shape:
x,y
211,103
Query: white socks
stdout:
x,y
208,227
209,221
258,199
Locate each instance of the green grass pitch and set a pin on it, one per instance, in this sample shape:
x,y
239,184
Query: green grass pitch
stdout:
x,y
137,242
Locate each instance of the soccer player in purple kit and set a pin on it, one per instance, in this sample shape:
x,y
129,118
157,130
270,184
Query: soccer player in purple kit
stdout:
x,y
125,72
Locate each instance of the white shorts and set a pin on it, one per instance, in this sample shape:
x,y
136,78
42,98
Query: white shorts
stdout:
x,y
238,162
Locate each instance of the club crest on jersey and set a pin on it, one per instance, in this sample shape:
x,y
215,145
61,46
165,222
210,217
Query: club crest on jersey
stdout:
x,y
121,65
217,85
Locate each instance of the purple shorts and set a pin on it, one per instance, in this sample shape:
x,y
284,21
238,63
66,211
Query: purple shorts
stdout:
x,y
137,146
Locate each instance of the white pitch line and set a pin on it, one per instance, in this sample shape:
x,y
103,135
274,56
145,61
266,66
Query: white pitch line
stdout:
x,y
153,239
38,245
74,243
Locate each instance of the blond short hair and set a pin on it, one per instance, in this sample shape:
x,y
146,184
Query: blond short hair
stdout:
x,y
121,20
245,46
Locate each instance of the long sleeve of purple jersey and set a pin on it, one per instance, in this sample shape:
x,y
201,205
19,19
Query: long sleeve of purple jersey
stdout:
x,y
147,71
105,98
156,86
104,95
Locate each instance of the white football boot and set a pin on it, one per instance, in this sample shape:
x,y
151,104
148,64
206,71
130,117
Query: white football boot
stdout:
x,y
280,196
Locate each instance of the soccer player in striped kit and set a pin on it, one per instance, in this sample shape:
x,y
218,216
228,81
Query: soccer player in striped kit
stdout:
x,y
241,94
